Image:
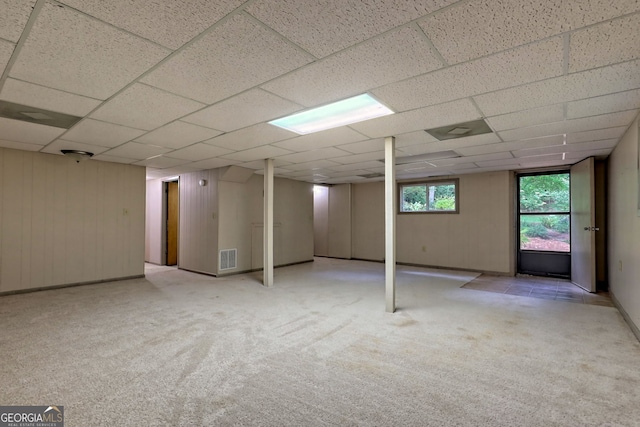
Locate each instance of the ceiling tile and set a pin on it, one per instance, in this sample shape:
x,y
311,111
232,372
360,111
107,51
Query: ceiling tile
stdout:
x,y
19,145
246,109
24,93
259,164
113,159
57,145
177,170
6,49
509,163
581,155
306,172
213,163
481,27
358,166
101,133
344,179
356,70
536,116
311,166
595,135
527,64
359,158
14,16
327,138
604,104
217,67
511,146
569,126
365,146
469,159
161,162
263,152
251,137
145,107
97,59
586,84
593,145
134,150
307,156
615,41
198,151
413,138
30,133
325,27
451,144
543,161
177,135
424,118
169,23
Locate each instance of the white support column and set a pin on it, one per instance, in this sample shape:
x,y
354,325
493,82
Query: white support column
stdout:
x,y
267,250
390,222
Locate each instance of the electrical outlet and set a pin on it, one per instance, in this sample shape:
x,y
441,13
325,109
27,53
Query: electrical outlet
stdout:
x,y
620,265
424,248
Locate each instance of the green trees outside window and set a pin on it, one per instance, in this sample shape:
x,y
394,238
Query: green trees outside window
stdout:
x,y
429,197
545,212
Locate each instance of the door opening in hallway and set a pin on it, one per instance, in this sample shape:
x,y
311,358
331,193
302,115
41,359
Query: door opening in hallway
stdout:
x,y
172,190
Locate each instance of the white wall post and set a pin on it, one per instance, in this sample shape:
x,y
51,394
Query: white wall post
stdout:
x,y
267,240
390,222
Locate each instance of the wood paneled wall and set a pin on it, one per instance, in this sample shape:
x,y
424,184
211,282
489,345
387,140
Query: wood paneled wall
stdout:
x,y
63,222
198,235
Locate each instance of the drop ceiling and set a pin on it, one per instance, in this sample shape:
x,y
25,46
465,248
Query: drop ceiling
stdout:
x,y
182,85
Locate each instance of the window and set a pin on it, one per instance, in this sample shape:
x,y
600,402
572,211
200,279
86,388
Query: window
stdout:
x,y
429,197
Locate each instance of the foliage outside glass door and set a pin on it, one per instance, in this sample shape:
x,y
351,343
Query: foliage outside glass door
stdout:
x,y
545,212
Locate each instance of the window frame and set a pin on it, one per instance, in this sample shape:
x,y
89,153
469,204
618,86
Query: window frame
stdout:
x,y
426,183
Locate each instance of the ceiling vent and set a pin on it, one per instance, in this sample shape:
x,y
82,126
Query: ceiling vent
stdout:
x,y
372,175
9,110
460,130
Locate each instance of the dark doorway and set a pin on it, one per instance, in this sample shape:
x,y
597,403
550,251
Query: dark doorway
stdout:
x,y
172,222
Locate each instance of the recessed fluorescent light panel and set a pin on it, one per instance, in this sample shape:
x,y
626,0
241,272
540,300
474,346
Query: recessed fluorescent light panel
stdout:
x,y
351,110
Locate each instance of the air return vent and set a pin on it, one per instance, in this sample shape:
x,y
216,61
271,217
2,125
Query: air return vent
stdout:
x,y
460,130
9,110
228,259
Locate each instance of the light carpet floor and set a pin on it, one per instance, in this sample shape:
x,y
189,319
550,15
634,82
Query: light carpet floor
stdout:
x,y
182,349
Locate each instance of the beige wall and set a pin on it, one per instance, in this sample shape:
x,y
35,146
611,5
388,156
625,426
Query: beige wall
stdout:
x,y
154,248
480,237
63,222
332,221
339,239
241,219
368,221
624,224
321,220
198,228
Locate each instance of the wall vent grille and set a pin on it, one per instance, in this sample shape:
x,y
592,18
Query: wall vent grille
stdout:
x,y
228,259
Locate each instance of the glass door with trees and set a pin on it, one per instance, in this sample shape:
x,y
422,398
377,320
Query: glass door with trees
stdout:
x,y
544,215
